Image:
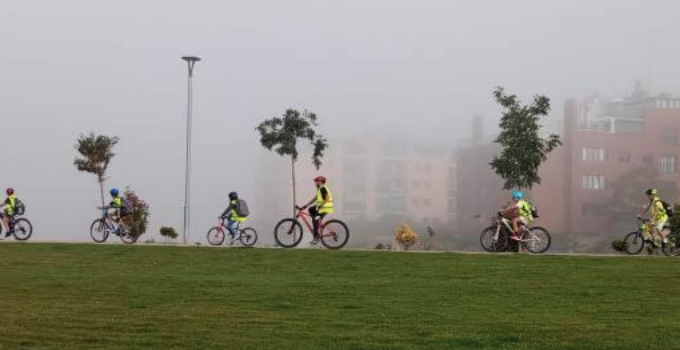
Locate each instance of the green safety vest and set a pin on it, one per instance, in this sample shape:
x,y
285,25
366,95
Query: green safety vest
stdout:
x,y
328,207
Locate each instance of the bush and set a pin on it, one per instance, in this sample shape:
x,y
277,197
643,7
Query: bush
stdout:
x,y
381,246
169,233
619,245
405,236
137,222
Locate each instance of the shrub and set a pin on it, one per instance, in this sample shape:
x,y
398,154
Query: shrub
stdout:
x,y
619,245
138,220
169,233
405,236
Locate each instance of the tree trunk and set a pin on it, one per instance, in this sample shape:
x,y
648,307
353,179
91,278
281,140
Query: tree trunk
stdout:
x,y
292,167
101,187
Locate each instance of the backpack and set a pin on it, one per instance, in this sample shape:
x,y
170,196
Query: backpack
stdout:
x,y
19,207
670,211
534,210
126,208
241,208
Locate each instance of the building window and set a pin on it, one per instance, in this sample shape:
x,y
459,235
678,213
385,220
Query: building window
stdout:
x,y
594,182
624,157
594,154
669,165
669,136
427,202
427,184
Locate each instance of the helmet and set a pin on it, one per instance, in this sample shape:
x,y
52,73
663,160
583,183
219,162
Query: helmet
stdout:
x,y
517,195
114,192
651,192
233,196
321,179
10,191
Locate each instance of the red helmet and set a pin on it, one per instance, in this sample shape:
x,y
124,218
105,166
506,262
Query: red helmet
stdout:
x,y
10,191
321,179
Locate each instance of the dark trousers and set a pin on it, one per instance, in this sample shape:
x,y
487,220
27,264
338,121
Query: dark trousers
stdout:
x,y
316,219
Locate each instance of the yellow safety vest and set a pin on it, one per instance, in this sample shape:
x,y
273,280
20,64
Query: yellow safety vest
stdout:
x,y
11,204
328,207
525,209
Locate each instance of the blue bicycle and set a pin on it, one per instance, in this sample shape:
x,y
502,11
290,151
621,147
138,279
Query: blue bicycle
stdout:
x,y
101,229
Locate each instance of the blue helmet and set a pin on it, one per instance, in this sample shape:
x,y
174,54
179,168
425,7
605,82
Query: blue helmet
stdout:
x,y
517,195
114,192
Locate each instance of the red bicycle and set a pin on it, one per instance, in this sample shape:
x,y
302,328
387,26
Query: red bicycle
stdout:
x,y
288,232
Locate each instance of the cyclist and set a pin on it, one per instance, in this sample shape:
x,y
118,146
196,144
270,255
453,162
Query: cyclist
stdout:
x,y
323,206
659,217
519,212
231,215
10,208
119,205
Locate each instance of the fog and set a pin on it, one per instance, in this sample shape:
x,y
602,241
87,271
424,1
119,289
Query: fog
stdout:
x,y
414,69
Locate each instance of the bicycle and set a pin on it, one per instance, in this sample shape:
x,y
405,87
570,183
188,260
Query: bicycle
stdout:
x,y
635,241
23,229
288,232
496,238
216,235
101,229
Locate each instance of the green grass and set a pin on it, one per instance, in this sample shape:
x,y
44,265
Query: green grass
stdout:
x,y
59,296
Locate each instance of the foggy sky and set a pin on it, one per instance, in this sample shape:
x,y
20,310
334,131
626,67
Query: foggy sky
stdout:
x,y
414,68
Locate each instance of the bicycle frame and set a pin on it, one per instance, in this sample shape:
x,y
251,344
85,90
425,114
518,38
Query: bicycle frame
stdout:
x,y
301,214
507,224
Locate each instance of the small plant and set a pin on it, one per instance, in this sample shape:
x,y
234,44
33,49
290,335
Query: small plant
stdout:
x,y
405,236
381,246
169,233
619,246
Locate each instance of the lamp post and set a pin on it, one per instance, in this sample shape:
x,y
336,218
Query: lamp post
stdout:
x,y
191,61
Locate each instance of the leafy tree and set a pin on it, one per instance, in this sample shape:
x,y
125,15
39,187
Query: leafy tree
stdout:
x,y
405,236
96,152
169,233
139,219
281,134
523,149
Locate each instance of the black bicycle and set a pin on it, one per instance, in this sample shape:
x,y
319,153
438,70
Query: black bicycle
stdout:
x,y
20,228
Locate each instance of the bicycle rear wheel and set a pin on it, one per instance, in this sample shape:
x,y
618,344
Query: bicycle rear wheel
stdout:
x,y
126,236
633,243
334,234
99,231
539,240
248,237
672,248
488,243
22,229
216,236
288,233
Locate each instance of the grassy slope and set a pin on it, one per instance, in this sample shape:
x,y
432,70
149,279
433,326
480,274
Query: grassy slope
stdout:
x,y
122,297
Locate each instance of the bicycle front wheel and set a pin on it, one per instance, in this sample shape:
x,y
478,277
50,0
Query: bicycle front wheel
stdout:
x,y
216,236
335,234
672,248
99,231
22,229
539,240
248,237
633,243
288,233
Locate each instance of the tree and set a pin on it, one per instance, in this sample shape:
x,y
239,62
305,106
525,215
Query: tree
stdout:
x,y
405,236
96,152
281,134
138,220
522,148
169,233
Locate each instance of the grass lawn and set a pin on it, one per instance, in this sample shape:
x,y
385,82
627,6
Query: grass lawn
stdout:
x,y
61,296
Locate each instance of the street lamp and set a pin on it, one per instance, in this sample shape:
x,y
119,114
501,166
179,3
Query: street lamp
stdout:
x,y
191,61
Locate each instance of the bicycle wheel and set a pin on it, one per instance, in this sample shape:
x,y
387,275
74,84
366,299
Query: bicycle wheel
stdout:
x,y
22,229
288,233
633,243
488,243
99,231
539,240
672,248
216,236
126,236
248,237
334,234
